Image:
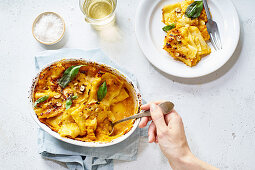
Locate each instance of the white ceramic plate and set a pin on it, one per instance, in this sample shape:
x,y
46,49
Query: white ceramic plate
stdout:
x,y
150,37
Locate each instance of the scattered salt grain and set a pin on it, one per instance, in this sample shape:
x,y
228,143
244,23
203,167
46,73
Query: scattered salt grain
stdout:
x,y
49,28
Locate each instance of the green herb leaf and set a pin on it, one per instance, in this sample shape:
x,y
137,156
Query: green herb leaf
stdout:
x,y
68,103
102,91
41,99
69,75
194,9
74,97
168,27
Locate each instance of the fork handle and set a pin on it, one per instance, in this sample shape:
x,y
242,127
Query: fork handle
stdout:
x,y
207,11
166,107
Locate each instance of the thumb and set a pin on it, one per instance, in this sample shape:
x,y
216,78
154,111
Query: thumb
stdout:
x,y
158,117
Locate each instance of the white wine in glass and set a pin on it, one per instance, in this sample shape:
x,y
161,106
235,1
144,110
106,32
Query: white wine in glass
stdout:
x,y
99,12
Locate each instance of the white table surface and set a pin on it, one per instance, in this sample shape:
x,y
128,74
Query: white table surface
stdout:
x,y
217,110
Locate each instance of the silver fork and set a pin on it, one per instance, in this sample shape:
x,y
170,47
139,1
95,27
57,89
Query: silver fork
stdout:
x,y
212,29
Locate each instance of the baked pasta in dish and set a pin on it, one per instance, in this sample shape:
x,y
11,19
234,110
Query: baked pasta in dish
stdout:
x,y
79,100
186,35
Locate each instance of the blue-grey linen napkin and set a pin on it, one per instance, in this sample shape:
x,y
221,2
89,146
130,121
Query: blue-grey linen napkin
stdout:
x,y
77,157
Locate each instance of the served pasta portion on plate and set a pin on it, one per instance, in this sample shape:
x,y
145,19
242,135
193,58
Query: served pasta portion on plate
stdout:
x,y
80,100
186,31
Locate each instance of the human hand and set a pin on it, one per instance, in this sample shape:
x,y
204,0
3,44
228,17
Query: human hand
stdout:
x,y
168,131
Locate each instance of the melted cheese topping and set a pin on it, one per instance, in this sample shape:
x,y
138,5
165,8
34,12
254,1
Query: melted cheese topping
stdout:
x,y
87,119
187,42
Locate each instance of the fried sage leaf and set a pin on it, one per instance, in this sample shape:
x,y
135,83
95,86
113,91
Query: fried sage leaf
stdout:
x,y
102,91
68,103
194,9
69,75
168,27
41,99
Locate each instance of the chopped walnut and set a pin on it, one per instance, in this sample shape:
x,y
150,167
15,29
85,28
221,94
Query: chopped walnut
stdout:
x,y
57,96
178,38
67,92
82,88
178,10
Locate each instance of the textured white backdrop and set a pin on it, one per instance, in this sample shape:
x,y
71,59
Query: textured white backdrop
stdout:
x,y
218,110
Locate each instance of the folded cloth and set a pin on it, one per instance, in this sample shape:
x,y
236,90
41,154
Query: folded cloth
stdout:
x,y
77,157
